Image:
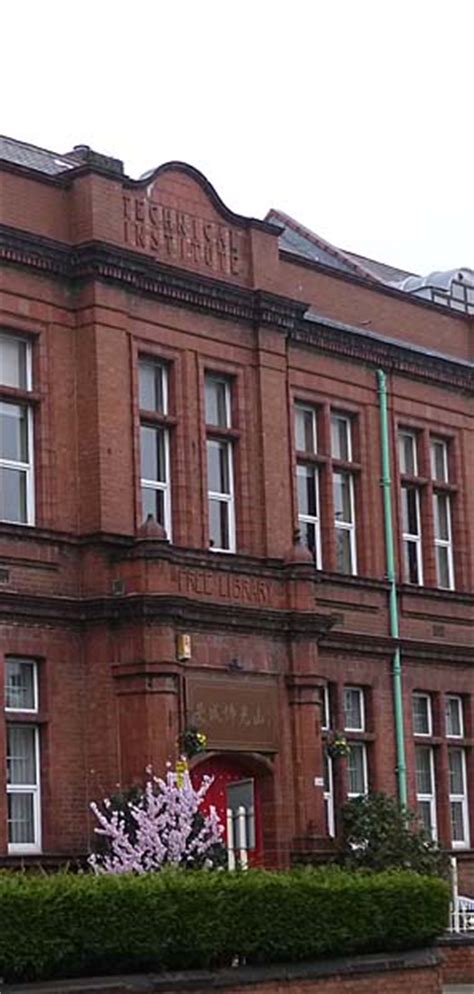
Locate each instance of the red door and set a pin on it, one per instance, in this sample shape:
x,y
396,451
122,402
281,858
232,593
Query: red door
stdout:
x,y
226,772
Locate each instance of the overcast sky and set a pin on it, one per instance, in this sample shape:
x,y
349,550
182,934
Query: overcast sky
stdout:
x,y
354,116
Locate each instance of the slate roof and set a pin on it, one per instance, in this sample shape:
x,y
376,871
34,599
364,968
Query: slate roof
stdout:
x,y
41,159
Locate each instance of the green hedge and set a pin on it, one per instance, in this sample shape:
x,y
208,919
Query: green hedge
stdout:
x,y
66,925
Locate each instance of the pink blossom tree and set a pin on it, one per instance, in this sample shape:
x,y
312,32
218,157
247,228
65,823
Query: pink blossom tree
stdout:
x,y
164,827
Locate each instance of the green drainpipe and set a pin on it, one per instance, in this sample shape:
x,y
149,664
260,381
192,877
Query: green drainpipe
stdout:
x,y
393,606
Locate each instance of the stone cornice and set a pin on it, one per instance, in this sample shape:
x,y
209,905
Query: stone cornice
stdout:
x,y
161,608
144,275
377,352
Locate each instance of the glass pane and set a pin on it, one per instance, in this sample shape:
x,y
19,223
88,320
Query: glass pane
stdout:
x,y
327,770
457,822
20,684
305,429
21,746
410,510
340,438
443,570
355,770
411,568
13,495
21,822
152,450
342,497
421,715
353,715
153,502
216,398
151,387
13,362
407,454
307,490
456,771
441,516
454,722
344,562
308,535
219,524
13,432
218,480
425,813
439,461
424,780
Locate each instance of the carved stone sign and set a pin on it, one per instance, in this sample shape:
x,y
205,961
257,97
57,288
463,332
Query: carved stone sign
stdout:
x,y
181,238
224,586
234,714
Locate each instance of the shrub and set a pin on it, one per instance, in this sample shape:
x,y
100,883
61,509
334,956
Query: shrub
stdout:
x,y
66,925
379,835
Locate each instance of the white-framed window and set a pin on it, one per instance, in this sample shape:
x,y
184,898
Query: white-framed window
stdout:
x,y
220,465
17,504
439,460
354,709
23,762
307,479
411,535
343,495
454,716
425,789
21,685
357,770
407,453
344,520
328,773
460,836
154,443
341,437
153,386
155,474
422,714
443,540
325,709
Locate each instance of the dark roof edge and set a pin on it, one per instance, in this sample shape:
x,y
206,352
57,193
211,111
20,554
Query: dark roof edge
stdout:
x,y
311,317
372,284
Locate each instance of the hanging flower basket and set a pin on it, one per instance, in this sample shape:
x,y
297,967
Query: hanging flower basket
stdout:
x,y
192,741
337,745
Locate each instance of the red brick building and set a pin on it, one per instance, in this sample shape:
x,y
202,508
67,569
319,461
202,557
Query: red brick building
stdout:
x,y
160,355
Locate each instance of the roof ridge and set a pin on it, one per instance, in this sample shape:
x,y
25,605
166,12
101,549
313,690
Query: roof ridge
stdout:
x,y
320,242
37,148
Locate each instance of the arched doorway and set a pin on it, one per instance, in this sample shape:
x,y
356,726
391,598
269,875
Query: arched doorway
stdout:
x,y
236,788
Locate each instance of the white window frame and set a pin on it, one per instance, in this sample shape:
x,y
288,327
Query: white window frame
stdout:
x,y
165,486
410,538
27,468
326,709
434,442
22,848
307,409
34,665
444,543
223,498
429,798
328,796
365,770
459,701
336,416
144,360
311,519
426,697
360,692
402,434
349,526
216,378
460,799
